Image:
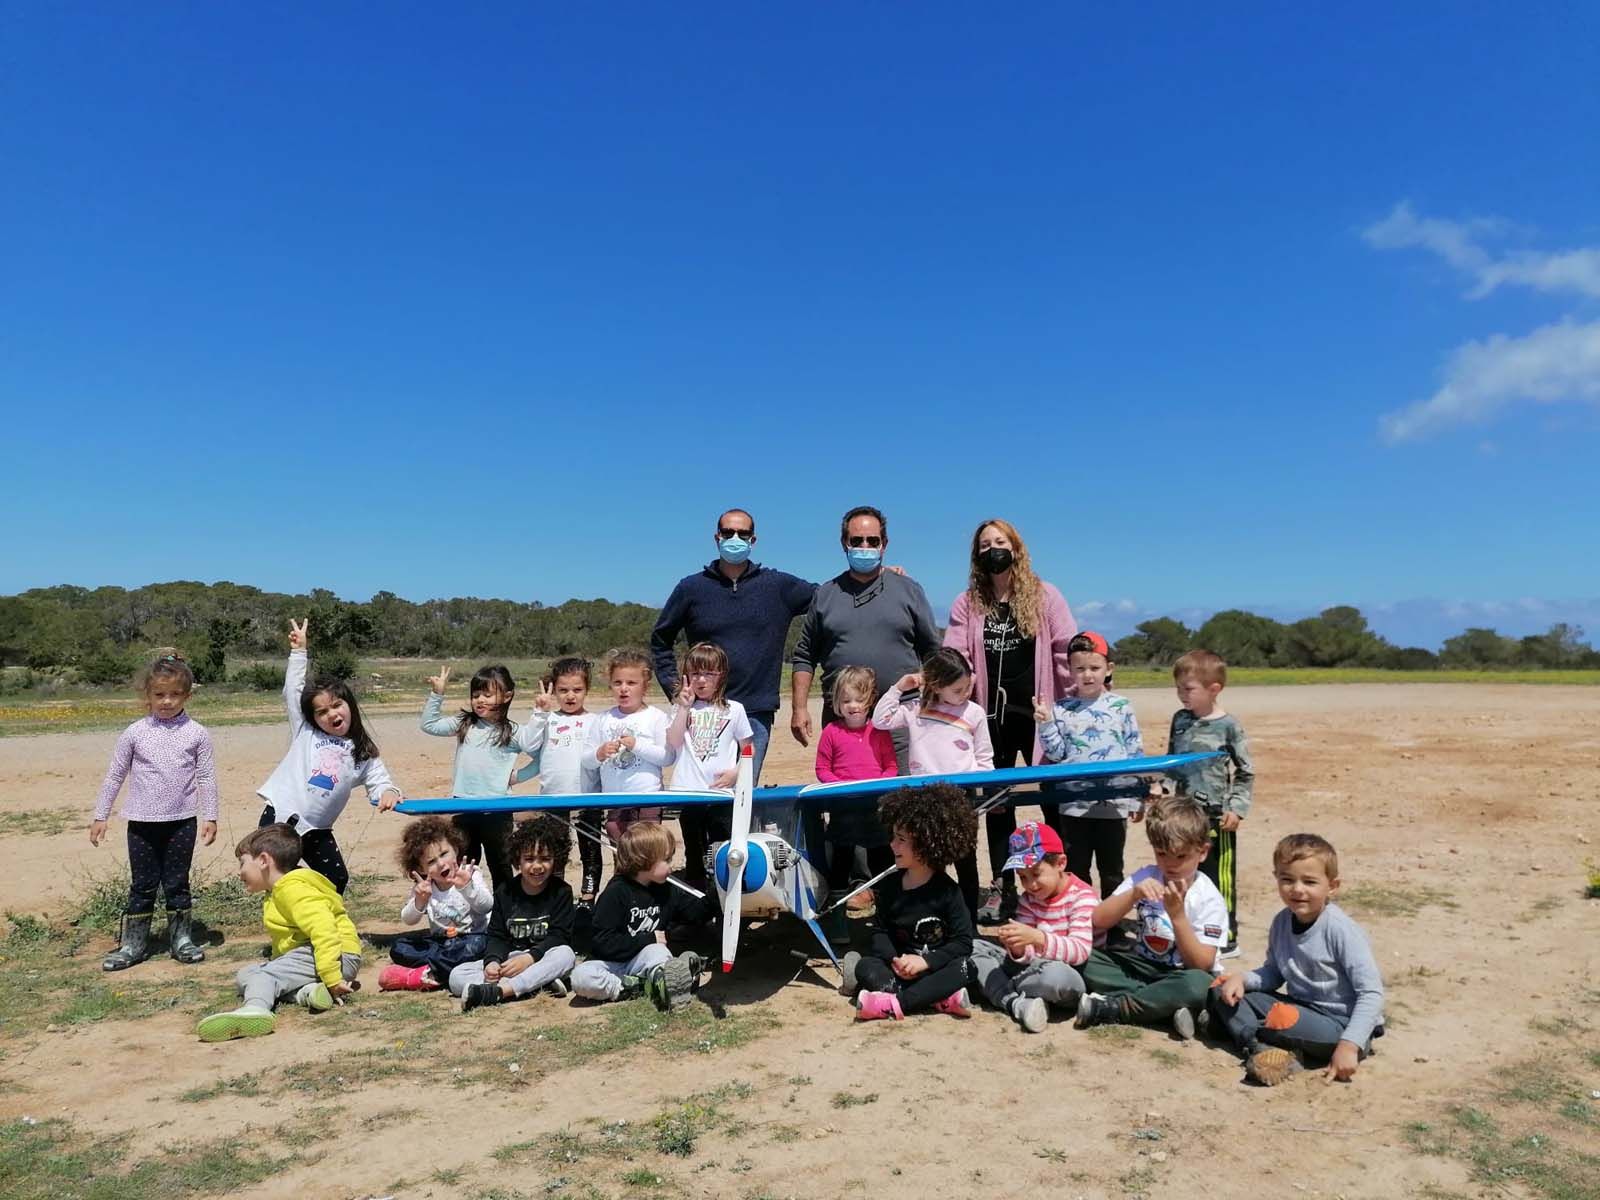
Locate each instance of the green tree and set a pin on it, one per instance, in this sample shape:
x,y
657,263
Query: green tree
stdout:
x,y
1242,638
1478,648
1157,642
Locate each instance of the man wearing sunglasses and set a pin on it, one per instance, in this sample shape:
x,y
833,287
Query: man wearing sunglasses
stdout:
x,y
744,608
865,617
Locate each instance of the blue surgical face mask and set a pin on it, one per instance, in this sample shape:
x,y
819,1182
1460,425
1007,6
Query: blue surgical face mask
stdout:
x,y
733,550
864,559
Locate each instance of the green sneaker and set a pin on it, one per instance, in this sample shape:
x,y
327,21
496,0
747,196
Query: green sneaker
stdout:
x,y
240,1023
314,996
632,988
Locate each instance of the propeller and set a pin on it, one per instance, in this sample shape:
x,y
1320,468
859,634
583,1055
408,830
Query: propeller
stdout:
x,y
738,855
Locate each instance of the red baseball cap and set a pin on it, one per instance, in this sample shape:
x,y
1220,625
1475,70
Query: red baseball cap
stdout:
x,y
1096,643
1030,842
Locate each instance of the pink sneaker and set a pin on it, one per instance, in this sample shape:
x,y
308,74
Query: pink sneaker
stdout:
x,y
395,978
955,1004
877,1006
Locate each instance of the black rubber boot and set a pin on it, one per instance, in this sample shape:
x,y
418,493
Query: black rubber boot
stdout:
x,y
180,937
135,947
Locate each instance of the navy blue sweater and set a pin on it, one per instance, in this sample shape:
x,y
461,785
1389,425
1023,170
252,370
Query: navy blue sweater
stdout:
x,y
748,617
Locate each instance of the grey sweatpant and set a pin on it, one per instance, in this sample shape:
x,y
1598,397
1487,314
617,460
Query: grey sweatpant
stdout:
x,y
552,965
262,984
597,980
1001,978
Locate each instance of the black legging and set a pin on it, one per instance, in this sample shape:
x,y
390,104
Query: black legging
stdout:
x,y
1012,736
159,855
318,850
875,975
486,835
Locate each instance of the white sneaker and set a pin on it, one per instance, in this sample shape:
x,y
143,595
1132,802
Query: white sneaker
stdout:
x,y
1183,1024
314,996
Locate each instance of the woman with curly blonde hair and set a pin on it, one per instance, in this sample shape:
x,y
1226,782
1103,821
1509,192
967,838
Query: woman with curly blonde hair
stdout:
x,y
1014,629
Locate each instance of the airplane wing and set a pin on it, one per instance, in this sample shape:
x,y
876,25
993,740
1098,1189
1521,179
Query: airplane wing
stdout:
x,y
557,802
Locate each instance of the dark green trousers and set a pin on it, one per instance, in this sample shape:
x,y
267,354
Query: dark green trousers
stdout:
x,y
1151,992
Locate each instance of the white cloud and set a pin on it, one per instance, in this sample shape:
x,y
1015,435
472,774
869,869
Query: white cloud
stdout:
x,y
1555,363
1460,244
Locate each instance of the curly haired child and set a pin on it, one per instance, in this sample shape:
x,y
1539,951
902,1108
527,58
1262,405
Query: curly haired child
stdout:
x,y
448,890
921,933
530,931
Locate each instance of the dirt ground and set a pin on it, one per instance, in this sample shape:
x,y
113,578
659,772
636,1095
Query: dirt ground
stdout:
x,y
1462,815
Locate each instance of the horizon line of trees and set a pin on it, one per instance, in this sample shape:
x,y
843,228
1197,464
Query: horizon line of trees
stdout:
x,y
103,635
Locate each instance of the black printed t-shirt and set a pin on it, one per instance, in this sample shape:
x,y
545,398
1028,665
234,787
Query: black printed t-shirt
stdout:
x,y
931,920
628,914
524,924
1008,655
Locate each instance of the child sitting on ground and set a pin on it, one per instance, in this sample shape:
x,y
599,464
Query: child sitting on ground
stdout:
x,y
448,892
1032,967
1181,920
1093,725
921,933
315,950
530,933
1318,997
629,955
1222,786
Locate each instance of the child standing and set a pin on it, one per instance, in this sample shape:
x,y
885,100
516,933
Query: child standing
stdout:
x,y
559,709
172,781
852,749
707,734
1318,996
1221,786
315,950
921,931
627,744
530,933
948,732
631,921
488,742
449,892
1182,923
330,754
1033,966
1093,725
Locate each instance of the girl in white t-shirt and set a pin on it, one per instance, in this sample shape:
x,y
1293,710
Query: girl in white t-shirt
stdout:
x,y
707,735
626,746
559,711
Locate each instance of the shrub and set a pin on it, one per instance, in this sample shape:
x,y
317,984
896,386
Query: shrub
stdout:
x,y
107,665
338,662
262,676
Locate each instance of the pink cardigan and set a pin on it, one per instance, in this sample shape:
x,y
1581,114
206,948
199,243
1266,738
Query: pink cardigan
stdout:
x,y
1051,673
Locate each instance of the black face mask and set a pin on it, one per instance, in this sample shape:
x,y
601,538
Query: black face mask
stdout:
x,y
995,560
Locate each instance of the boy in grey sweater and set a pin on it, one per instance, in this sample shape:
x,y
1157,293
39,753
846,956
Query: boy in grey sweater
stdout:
x,y
1318,997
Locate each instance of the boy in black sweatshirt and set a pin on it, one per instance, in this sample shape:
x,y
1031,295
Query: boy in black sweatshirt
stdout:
x,y
922,930
530,930
629,954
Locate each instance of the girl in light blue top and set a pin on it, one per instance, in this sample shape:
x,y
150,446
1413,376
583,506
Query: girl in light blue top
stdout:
x,y
488,742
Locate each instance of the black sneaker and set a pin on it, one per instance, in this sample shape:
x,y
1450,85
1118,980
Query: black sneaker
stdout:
x,y
478,995
674,983
1095,1009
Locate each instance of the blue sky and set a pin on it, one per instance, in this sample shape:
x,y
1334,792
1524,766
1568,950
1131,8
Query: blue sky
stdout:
x,y
1279,307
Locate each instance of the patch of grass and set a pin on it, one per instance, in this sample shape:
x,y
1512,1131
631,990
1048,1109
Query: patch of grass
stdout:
x,y
1592,871
238,1085
640,1177
672,1132
1384,900
450,1176
50,1160
1167,1058
1114,1033
39,822
852,1100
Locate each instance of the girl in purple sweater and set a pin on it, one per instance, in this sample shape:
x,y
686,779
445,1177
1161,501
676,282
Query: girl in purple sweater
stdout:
x,y
172,786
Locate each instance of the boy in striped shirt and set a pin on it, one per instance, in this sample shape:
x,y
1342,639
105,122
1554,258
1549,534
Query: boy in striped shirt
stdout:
x,y
1033,967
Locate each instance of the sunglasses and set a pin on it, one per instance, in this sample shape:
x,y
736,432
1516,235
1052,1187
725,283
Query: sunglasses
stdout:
x,y
735,533
870,540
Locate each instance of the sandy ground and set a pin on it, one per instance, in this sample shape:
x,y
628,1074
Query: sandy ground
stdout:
x,y
1476,804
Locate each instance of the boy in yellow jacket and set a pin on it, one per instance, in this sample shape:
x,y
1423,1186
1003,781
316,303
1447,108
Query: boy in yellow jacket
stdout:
x,y
316,952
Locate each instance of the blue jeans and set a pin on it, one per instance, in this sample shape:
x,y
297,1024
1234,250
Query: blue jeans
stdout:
x,y
760,735
439,953
1315,1035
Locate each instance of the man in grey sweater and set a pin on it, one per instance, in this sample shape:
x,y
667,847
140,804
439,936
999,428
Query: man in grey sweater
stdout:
x,y
863,617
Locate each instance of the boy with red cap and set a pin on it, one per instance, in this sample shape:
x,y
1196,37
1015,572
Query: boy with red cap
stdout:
x,y
1093,725
1033,965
